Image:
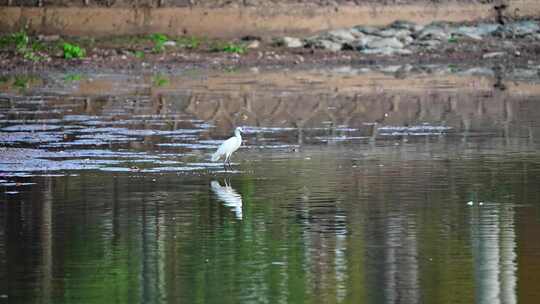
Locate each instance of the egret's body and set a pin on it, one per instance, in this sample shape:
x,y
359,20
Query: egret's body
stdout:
x,y
227,148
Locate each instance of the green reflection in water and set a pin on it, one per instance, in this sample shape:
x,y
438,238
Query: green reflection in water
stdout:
x,y
386,230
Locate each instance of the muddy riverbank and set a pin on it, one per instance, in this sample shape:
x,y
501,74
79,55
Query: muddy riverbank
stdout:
x,y
516,44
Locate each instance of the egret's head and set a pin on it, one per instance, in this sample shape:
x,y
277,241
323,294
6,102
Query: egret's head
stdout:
x,y
238,130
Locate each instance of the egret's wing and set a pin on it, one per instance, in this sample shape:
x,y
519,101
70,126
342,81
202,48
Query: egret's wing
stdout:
x,y
226,147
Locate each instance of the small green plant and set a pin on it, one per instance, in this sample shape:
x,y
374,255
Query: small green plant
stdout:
x,y
229,47
24,46
453,68
452,39
22,82
139,54
72,77
159,42
73,51
160,80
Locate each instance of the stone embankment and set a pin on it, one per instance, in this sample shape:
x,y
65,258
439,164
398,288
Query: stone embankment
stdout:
x,y
406,38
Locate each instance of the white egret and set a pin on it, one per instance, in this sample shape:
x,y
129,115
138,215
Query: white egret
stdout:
x,y
227,147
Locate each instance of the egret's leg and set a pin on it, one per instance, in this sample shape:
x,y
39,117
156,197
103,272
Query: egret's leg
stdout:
x,y
229,160
225,161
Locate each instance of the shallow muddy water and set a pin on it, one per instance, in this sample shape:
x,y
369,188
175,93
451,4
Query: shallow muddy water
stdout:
x,y
350,187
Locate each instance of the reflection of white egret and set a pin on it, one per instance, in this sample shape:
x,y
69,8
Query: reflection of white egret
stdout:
x,y
228,196
228,147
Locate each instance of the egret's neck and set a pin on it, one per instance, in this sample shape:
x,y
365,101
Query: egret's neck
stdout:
x,y
237,134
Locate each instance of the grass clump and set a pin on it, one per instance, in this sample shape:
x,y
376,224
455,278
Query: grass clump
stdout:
x,y
138,54
160,80
229,47
159,42
24,45
72,77
73,51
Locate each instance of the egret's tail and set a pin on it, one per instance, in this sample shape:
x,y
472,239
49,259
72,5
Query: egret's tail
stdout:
x,y
215,156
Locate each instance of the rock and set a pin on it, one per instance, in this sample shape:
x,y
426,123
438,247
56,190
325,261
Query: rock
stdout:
x,y
476,32
493,55
478,72
326,45
385,43
398,33
406,25
48,38
467,31
407,40
428,43
361,43
290,42
386,51
169,43
254,44
390,68
356,33
518,29
341,36
434,32
369,30
485,29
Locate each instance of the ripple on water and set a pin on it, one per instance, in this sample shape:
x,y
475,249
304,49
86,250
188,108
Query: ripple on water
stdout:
x,y
76,118
31,127
29,137
423,130
187,145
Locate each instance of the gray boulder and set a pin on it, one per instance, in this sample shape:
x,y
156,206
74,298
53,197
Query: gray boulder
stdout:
x,y
385,43
325,44
289,42
362,42
341,35
397,33
476,32
485,29
387,51
369,30
428,43
407,40
434,32
406,25
493,55
520,28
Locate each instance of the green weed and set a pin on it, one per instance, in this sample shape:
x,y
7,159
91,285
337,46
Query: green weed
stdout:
x,y
22,82
229,47
452,39
23,45
72,77
73,51
139,54
159,42
160,80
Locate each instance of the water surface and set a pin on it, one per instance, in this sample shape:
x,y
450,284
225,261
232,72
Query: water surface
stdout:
x,y
350,187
